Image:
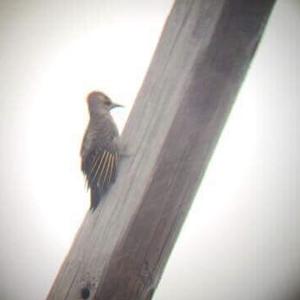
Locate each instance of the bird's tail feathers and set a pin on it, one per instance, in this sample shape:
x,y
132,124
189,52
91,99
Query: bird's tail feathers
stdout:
x,y
95,198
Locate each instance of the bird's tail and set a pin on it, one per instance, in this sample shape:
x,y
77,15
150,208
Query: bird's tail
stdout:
x,y
95,198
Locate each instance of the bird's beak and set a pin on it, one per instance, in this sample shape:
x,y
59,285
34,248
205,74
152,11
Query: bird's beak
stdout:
x,y
114,105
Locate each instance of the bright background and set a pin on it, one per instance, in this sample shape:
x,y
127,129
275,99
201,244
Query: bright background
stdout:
x,y
241,239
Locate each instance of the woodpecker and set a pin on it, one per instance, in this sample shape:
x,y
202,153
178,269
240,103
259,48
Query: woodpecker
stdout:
x,y
100,151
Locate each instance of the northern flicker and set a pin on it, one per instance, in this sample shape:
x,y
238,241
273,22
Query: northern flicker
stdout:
x,y
100,147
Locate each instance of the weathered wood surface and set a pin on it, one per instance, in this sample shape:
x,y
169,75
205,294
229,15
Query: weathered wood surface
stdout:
x,y
202,57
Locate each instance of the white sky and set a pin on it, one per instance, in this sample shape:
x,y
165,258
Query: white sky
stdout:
x,y
241,239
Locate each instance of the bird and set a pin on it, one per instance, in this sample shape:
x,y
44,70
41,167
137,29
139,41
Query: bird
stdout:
x,y
100,148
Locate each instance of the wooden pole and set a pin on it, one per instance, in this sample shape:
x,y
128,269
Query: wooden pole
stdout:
x,y
121,249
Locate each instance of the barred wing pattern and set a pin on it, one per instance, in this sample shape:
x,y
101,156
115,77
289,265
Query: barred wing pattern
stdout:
x,y
100,168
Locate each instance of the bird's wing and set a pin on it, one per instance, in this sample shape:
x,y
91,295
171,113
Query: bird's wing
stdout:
x,y
100,168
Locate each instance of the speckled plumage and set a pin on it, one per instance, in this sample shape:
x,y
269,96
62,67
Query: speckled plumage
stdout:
x,y
99,149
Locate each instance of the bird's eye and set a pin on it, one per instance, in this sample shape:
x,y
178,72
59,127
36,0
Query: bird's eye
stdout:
x,y
107,102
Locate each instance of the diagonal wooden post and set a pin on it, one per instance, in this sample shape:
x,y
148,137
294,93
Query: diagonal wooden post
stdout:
x,y
202,57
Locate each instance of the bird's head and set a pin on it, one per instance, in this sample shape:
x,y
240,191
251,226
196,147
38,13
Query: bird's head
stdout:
x,y
98,102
